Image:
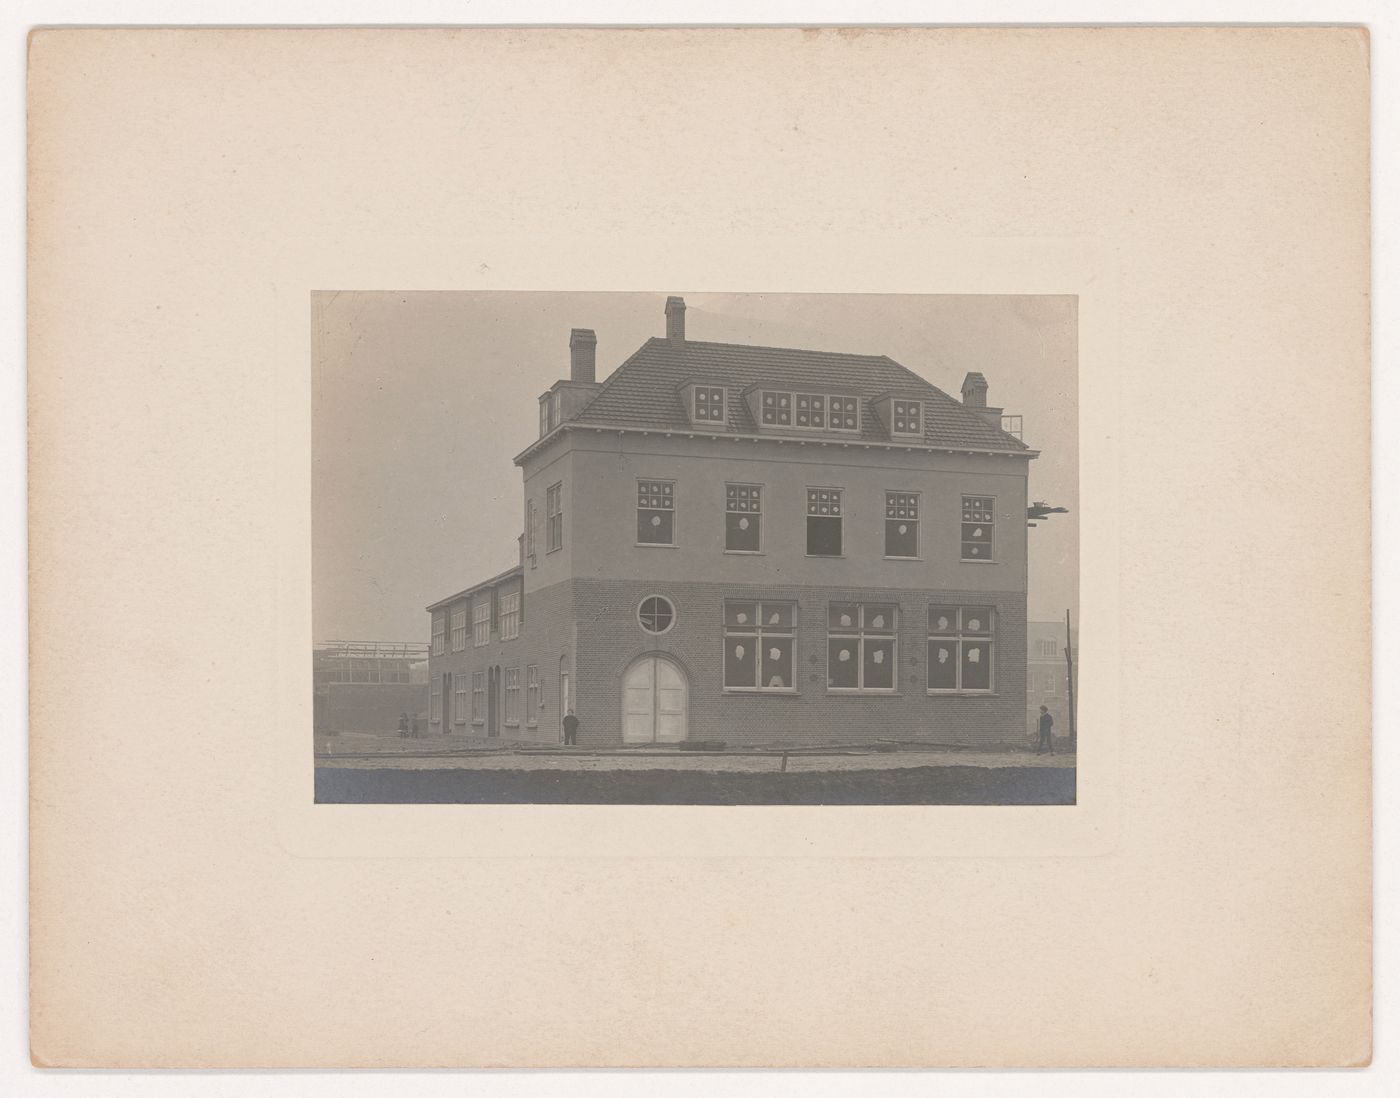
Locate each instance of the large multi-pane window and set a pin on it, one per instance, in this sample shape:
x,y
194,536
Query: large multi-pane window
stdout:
x,y
512,675
459,628
907,417
813,411
861,646
960,648
554,516
459,699
743,517
656,512
510,615
439,632
977,514
775,409
709,404
478,697
532,695
435,701
823,522
759,642
481,620
901,524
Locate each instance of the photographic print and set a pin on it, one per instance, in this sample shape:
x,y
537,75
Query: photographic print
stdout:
x,y
634,548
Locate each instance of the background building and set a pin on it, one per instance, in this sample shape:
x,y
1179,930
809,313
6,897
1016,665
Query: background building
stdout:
x,y
1047,675
752,544
363,686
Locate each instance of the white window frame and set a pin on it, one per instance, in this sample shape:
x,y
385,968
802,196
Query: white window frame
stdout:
x,y
439,632
911,500
731,501
860,633
435,701
709,390
532,696
959,636
481,620
459,628
511,677
510,615
554,517
667,491
670,625
991,524
755,634
459,698
794,398
478,697
840,504
910,407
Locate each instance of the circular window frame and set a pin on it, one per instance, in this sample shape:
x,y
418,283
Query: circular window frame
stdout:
x,y
670,625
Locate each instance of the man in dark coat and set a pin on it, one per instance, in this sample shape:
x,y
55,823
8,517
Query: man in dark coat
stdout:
x,y
1047,722
570,729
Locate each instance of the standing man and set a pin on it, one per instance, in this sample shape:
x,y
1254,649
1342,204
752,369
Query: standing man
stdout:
x,y
570,729
1047,722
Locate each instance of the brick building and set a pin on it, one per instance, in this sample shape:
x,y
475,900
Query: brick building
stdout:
x,y
1047,675
751,544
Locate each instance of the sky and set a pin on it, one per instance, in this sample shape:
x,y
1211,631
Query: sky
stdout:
x,y
421,400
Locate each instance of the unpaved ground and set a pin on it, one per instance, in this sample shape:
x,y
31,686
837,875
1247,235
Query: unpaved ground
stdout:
x,y
908,784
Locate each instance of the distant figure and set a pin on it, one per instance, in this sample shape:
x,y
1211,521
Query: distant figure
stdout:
x,y
403,724
413,726
1047,722
570,729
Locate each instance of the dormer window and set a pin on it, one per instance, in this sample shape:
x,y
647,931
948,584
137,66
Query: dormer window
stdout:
x,y
709,404
550,405
907,417
809,411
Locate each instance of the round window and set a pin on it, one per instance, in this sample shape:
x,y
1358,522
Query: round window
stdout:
x,y
656,614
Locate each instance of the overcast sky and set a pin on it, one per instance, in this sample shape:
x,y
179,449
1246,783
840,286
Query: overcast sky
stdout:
x,y
420,400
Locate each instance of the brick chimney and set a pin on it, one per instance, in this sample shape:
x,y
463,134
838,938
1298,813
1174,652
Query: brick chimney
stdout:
x,y
583,355
974,391
675,320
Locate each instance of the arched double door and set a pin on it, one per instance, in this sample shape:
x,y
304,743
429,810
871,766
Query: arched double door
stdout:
x,y
655,701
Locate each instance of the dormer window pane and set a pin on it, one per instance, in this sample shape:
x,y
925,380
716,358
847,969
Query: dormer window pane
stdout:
x,y
777,409
709,404
907,417
844,416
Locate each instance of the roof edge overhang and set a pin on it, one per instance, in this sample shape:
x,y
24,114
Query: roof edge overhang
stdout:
x,y
782,440
501,578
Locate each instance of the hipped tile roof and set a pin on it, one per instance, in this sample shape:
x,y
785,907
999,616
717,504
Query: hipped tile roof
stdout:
x,y
644,392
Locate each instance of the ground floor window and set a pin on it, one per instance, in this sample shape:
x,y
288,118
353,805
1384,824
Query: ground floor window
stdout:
x,y
512,695
478,697
532,696
960,648
459,699
861,646
435,712
759,643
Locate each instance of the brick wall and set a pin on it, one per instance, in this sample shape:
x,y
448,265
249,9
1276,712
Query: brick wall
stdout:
x,y
609,639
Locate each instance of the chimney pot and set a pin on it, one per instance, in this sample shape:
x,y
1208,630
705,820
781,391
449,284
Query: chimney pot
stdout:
x,y
583,355
675,320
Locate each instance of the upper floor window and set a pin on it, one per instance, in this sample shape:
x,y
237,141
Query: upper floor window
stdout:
x,y
776,409
977,512
439,632
709,404
1047,648
743,518
901,524
510,615
906,417
481,621
656,512
759,638
823,522
554,516
861,646
459,628
959,648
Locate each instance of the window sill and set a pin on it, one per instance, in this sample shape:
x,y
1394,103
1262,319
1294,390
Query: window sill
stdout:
x,y
856,692
511,724
744,553
916,559
655,545
962,693
826,556
480,722
533,724
556,549
755,692
978,560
